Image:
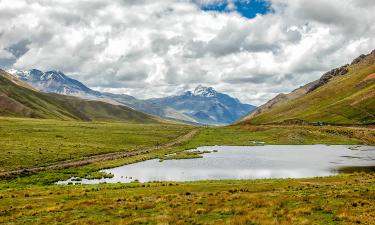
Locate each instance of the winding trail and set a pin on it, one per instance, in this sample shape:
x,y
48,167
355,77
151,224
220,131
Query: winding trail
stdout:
x,y
99,158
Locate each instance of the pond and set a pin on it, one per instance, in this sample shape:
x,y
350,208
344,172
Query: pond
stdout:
x,y
247,162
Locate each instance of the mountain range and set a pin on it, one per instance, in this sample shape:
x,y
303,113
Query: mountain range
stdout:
x,y
57,82
204,105
344,95
21,100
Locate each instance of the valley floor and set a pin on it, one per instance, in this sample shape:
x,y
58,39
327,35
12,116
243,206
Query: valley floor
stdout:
x,y
32,198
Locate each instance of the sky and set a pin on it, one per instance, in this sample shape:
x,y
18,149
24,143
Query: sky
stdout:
x,y
250,49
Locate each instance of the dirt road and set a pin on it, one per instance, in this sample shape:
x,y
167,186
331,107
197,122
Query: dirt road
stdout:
x,y
99,158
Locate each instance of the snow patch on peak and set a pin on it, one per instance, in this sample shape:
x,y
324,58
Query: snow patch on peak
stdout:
x,y
202,91
26,75
54,82
12,71
20,74
53,75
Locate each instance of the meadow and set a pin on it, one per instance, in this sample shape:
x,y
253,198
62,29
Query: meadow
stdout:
x,y
34,199
27,143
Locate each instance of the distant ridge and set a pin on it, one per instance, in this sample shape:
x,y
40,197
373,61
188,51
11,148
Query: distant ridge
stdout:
x,y
210,106
59,83
18,99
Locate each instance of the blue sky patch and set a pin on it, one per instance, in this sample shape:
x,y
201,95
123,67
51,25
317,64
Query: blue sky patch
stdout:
x,y
247,8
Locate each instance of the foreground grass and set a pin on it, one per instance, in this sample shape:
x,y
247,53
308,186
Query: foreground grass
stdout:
x,y
345,199
30,142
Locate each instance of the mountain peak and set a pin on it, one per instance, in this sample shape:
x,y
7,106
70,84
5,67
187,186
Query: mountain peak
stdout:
x,y
204,91
53,81
54,75
35,74
206,106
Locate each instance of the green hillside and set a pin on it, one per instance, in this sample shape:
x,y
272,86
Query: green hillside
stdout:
x,y
348,97
19,100
101,111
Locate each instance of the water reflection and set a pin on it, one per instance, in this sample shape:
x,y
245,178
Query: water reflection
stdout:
x,y
255,162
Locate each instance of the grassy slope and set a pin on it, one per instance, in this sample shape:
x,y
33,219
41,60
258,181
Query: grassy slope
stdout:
x,y
24,102
102,111
20,101
33,142
344,100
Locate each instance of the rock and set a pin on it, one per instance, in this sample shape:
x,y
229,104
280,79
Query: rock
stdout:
x,y
358,59
329,75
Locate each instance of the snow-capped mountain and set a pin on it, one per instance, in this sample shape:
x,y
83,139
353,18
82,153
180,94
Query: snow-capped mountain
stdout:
x,y
203,105
54,82
202,91
59,83
206,105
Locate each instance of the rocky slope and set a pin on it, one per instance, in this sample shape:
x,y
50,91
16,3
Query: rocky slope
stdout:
x,y
345,95
281,99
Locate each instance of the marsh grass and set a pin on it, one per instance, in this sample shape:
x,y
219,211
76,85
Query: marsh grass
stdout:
x,y
345,199
191,154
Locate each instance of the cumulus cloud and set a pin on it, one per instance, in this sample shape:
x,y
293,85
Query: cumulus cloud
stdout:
x,y
152,48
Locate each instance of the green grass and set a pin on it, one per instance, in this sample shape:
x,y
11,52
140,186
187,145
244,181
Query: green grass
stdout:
x,y
33,199
23,102
27,143
132,135
246,135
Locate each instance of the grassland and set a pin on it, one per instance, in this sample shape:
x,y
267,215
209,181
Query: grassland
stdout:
x,y
31,142
34,199
344,199
27,143
247,135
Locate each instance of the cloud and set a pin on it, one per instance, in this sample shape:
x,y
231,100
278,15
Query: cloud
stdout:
x,y
152,48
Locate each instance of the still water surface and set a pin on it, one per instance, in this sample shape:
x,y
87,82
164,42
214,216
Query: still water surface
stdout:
x,y
248,162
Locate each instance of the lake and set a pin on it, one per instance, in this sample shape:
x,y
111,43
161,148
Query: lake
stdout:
x,y
247,162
